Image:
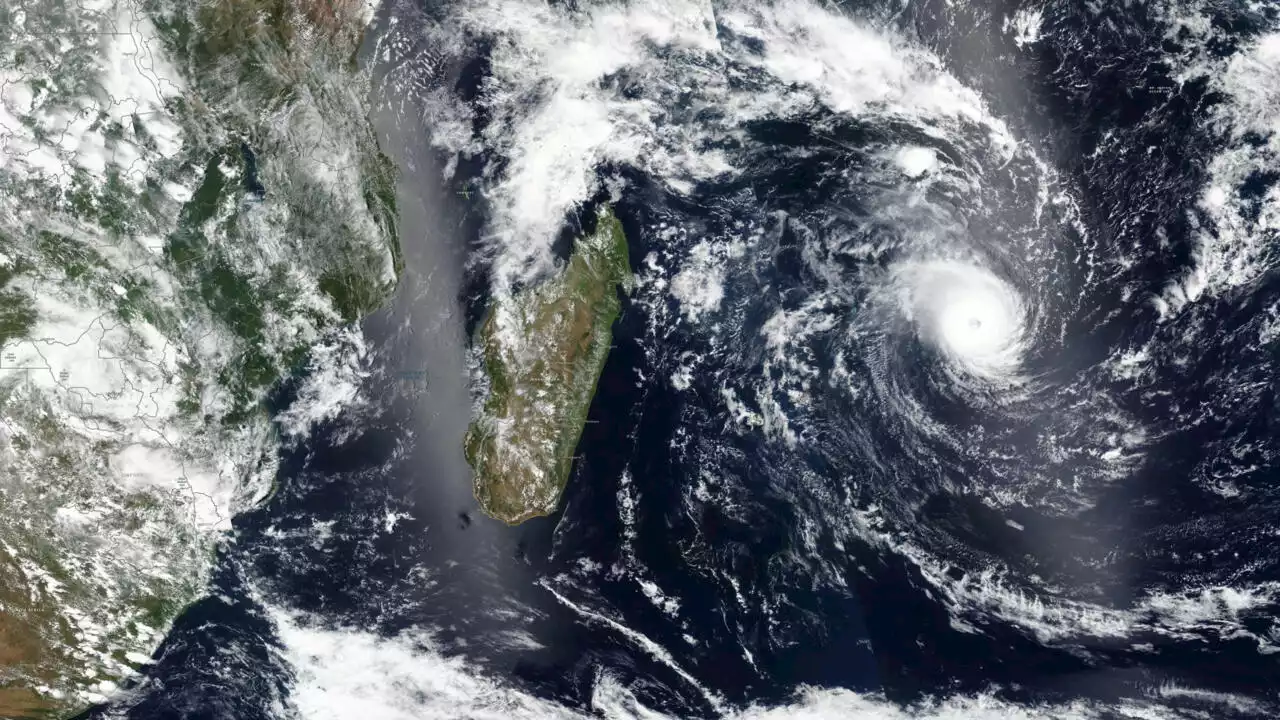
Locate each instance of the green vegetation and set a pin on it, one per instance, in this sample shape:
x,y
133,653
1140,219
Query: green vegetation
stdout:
x,y
352,293
544,349
289,233
17,309
234,46
75,258
282,56
380,194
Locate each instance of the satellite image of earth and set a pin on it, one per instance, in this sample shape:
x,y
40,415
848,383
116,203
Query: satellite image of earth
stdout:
x,y
648,360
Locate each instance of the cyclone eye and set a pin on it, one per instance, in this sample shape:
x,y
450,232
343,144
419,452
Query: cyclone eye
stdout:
x,y
974,317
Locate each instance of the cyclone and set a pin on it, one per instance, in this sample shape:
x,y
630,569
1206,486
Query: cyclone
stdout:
x,y
906,326
973,318
946,387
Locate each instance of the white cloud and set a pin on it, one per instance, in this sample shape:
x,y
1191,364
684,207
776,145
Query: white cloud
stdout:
x,y
559,112
342,673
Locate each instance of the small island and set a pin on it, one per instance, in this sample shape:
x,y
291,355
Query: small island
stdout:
x,y
543,350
